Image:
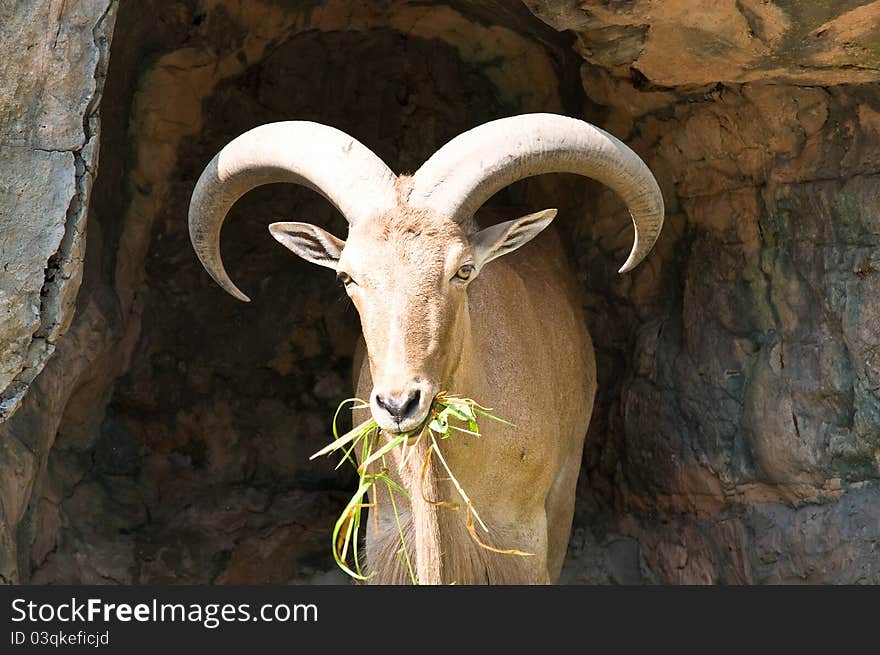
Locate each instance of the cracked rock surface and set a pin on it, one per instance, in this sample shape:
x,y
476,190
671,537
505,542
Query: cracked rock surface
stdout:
x,y
52,69
51,75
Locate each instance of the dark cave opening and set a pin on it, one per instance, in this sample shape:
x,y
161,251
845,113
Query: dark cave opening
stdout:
x,y
163,436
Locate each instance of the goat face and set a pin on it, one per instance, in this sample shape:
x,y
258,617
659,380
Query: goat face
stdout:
x,y
407,262
407,273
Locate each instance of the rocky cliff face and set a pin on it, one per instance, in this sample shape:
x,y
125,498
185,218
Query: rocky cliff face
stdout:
x,y
736,434
740,435
52,73
52,69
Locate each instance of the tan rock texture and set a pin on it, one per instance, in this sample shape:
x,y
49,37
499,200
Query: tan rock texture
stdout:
x,y
677,43
735,439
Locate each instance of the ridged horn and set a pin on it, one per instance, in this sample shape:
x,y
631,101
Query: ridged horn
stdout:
x,y
475,165
334,164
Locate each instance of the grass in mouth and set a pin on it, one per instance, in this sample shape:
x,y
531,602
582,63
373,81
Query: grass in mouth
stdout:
x,y
449,415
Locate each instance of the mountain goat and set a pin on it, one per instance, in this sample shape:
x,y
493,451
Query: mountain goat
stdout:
x,y
438,313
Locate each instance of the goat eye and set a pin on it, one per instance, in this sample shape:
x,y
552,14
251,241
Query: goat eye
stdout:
x,y
344,278
465,272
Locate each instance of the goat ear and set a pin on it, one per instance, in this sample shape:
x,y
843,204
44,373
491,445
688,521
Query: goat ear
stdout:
x,y
503,238
309,242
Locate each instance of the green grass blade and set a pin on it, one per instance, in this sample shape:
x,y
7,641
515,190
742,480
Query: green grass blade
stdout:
x,y
409,568
458,429
340,442
348,527
387,480
351,506
354,543
392,443
346,456
493,417
461,412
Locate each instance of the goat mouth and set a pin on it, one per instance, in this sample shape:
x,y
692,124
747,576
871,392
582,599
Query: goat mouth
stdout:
x,y
412,434
410,425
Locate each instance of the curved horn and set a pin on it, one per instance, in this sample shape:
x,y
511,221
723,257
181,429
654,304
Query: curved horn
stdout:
x,y
474,166
322,158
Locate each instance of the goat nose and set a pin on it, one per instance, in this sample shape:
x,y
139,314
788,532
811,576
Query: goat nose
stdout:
x,y
399,405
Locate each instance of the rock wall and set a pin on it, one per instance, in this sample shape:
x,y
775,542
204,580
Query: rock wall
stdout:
x,y
54,57
52,74
736,435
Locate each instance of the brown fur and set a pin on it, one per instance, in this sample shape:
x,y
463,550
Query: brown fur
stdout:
x,y
516,343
